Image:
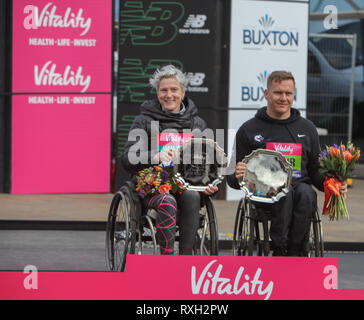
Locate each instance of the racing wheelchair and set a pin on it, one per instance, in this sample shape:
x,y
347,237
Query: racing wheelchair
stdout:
x,y
266,181
131,227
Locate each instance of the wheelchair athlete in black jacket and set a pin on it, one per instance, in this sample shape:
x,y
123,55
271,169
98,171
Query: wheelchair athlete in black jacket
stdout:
x,y
175,112
281,128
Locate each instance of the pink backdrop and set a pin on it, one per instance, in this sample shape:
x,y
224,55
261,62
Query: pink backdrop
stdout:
x,y
61,142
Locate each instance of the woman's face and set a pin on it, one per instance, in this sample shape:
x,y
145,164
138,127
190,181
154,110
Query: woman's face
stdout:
x,y
170,94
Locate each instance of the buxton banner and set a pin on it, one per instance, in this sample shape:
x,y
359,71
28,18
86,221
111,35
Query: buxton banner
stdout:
x,y
199,278
187,34
265,36
61,107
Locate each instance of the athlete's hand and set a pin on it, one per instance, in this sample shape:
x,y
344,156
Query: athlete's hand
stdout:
x,y
210,190
165,155
344,188
240,170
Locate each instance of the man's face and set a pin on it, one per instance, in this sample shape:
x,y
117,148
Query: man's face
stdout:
x,y
170,94
280,97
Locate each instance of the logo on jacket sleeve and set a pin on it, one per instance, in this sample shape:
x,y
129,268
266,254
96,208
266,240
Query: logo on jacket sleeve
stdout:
x,y
258,138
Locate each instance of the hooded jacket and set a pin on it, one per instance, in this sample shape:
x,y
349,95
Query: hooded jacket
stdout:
x,y
151,110
295,135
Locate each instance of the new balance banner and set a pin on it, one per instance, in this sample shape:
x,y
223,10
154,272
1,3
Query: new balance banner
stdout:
x,y
187,34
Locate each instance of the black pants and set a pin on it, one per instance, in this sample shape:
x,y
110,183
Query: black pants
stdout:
x,y
290,223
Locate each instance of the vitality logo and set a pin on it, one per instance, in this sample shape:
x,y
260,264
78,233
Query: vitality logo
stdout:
x,y
153,25
49,17
266,35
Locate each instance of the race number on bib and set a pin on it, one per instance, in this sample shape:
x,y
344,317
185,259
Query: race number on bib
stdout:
x,y
292,152
172,140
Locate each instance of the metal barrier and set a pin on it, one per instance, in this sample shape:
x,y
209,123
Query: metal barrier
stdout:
x,y
330,86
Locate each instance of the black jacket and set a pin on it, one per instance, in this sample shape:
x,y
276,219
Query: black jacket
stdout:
x,y
152,111
258,131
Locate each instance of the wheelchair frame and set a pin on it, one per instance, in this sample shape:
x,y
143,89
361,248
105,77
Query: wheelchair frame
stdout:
x,y
126,226
249,222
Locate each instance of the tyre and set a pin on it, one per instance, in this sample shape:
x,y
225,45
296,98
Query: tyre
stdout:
x,y
315,245
207,237
241,230
120,230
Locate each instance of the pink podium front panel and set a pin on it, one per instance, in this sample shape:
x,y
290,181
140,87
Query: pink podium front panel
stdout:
x,y
166,278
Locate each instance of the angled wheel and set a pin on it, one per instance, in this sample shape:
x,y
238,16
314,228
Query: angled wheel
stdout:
x,y
146,235
241,230
207,237
121,230
315,245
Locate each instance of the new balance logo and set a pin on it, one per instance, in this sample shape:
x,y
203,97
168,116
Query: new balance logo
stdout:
x,y
195,25
146,23
195,82
195,79
195,21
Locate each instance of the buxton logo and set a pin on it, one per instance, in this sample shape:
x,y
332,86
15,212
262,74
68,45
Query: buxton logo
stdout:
x,y
270,36
266,21
211,282
254,93
47,76
48,18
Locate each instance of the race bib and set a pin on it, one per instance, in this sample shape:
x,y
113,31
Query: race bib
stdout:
x,y
292,152
172,140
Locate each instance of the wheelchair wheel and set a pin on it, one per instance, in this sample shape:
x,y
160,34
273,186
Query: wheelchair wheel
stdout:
x,y
121,229
315,241
207,237
146,242
241,230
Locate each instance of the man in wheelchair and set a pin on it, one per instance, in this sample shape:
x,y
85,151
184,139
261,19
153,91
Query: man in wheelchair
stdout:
x,y
279,127
173,112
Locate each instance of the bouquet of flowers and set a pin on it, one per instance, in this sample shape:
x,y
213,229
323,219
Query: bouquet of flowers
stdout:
x,y
336,163
158,179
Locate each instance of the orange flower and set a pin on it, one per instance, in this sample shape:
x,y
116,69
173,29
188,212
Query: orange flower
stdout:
x,y
156,182
334,152
158,168
164,188
348,156
343,147
357,156
149,178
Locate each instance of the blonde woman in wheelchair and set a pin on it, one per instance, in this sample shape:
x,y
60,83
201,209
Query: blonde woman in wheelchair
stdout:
x,y
173,111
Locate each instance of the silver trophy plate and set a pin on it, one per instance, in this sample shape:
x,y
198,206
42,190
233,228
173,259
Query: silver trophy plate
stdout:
x,y
267,177
201,163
